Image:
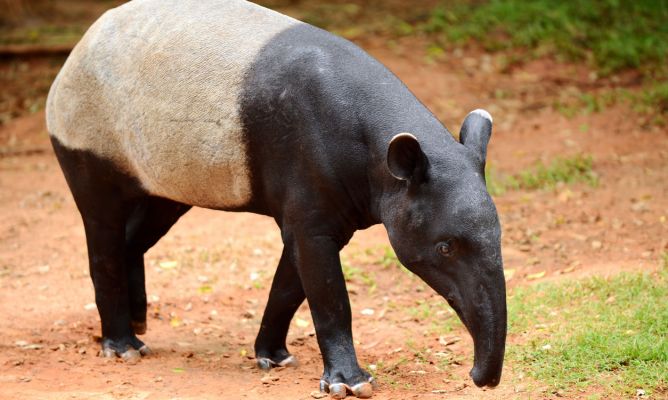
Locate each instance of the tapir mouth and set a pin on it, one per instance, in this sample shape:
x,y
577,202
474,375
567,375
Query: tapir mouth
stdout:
x,y
490,379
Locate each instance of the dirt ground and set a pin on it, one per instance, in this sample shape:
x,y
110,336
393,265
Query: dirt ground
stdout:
x,y
209,278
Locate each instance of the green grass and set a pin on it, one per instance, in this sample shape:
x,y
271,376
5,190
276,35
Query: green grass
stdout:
x,y
651,101
612,34
356,275
609,333
575,169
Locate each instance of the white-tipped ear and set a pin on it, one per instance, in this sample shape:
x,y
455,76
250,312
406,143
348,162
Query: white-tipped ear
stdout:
x,y
405,158
476,132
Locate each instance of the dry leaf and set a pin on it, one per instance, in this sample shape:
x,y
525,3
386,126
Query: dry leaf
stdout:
x,y
168,264
508,273
205,289
537,275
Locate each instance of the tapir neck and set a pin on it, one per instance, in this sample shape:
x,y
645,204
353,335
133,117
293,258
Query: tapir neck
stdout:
x,y
395,110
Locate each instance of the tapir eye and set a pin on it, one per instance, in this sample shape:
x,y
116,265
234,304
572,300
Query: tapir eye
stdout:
x,y
445,248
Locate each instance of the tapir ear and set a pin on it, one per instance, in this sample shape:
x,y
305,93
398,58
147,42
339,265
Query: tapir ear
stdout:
x,y
405,158
476,131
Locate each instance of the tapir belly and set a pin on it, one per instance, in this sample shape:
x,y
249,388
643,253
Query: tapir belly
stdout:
x,y
154,86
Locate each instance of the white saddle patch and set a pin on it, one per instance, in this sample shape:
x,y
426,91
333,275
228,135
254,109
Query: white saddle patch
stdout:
x,y
154,86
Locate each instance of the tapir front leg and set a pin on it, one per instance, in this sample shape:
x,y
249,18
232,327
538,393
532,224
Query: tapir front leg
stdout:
x,y
285,297
322,279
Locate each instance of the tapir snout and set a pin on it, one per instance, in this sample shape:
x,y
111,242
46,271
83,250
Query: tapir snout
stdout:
x,y
481,305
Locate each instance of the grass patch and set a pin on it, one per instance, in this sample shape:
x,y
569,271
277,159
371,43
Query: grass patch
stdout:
x,y
651,101
578,168
612,333
613,35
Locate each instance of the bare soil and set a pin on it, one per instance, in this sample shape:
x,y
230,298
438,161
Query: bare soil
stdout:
x,y
209,278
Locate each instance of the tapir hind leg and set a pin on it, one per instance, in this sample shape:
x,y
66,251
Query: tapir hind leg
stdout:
x,y
285,297
149,221
105,197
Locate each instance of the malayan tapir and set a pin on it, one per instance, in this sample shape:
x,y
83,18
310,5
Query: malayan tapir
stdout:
x,y
223,104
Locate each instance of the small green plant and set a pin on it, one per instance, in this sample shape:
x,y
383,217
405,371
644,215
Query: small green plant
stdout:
x,y
356,275
578,168
561,170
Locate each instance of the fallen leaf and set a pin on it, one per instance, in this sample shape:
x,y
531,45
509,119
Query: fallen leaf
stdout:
x,y
537,275
508,273
175,322
205,289
447,341
168,264
178,370
302,323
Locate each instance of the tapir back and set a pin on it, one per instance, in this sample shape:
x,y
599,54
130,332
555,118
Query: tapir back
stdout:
x,y
154,87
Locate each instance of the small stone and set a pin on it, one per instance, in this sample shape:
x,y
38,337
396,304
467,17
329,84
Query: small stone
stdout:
x,y
268,379
461,386
596,245
318,395
367,311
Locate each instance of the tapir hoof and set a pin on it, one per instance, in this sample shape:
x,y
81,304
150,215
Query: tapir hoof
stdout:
x,y
362,390
129,350
266,363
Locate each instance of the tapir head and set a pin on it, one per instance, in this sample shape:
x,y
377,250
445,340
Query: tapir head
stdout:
x,y
444,227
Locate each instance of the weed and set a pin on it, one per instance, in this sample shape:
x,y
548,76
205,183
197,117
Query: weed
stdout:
x,y
354,274
578,168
